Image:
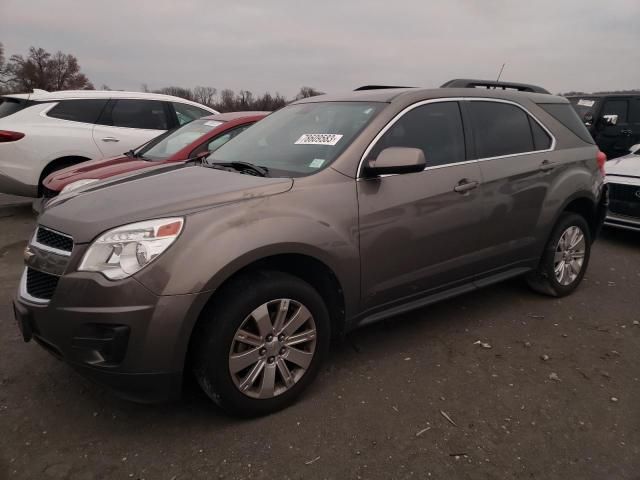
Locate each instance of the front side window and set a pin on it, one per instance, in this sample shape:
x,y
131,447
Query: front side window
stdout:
x,y
435,128
86,111
170,143
187,113
300,139
500,129
616,107
145,114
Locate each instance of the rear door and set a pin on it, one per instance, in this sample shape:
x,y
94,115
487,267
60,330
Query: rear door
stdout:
x,y
614,140
513,151
128,123
417,233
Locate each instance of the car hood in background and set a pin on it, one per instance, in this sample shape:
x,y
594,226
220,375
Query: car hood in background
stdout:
x,y
99,169
627,166
154,193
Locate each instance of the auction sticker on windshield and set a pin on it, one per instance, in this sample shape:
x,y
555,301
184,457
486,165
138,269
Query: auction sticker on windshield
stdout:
x,y
586,103
318,139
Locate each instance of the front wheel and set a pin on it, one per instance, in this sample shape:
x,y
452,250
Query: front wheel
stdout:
x,y
565,258
262,343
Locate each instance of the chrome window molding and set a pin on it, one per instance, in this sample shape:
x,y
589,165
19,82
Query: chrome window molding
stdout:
x,y
25,295
57,251
407,109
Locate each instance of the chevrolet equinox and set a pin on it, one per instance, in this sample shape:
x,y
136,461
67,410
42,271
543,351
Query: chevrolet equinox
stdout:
x,y
334,212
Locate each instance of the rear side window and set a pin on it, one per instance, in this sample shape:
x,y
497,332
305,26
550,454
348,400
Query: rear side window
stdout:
x,y
86,111
634,113
9,106
500,129
568,117
187,113
435,128
146,114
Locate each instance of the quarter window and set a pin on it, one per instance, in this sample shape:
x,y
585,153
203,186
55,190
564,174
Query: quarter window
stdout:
x,y
500,129
541,139
146,114
435,128
86,111
187,113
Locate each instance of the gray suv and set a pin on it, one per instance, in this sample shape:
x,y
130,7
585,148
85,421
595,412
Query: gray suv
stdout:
x,y
334,212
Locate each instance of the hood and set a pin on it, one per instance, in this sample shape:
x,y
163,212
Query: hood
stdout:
x,y
155,193
99,169
627,166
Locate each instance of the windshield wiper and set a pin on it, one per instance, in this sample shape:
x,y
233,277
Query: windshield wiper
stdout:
x,y
240,166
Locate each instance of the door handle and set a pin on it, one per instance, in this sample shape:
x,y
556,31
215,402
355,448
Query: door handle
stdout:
x,y
465,185
110,139
547,166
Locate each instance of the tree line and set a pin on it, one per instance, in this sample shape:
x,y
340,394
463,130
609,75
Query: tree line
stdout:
x,y
61,71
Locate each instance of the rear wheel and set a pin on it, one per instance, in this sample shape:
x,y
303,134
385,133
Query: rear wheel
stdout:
x,y
565,258
262,343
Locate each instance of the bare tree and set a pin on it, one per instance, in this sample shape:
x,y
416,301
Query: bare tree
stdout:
x,y
204,95
306,92
40,69
181,92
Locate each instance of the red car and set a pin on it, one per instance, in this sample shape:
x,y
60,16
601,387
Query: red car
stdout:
x,y
184,143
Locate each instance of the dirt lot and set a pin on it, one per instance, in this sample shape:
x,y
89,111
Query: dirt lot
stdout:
x,y
556,395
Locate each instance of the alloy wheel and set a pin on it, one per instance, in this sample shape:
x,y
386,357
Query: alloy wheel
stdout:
x,y
569,255
273,348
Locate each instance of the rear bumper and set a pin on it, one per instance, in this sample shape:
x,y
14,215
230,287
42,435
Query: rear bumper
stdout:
x,y
117,334
12,186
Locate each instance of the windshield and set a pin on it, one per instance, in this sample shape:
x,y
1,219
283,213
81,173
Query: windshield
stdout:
x,y
299,139
585,107
167,145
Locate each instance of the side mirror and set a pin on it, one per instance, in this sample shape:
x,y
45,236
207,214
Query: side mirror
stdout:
x,y
394,160
610,120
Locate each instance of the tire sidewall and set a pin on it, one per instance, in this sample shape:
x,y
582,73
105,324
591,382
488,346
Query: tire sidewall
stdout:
x,y
566,221
226,316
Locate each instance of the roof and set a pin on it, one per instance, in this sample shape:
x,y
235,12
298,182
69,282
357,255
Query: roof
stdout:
x,y
388,95
228,116
599,95
43,96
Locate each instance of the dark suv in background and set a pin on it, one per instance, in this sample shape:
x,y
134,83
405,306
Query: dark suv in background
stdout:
x,y
612,119
331,213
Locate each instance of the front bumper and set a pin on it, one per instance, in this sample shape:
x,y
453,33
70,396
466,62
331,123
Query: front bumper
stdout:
x,y
118,334
622,221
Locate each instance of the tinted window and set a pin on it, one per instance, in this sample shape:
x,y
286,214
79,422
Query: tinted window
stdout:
x,y
187,113
616,107
500,129
86,111
434,128
9,106
584,106
634,114
148,114
541,139
567,116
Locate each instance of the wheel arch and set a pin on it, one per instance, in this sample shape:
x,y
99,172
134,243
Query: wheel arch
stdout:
x,y
57,164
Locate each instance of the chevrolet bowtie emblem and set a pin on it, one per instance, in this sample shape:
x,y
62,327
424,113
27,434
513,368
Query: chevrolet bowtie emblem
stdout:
x,y
28,254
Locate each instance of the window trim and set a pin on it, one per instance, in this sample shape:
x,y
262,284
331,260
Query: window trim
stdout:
x,y
407,109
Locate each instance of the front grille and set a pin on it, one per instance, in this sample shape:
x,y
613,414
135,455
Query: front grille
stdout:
x,y
624,199
40,284
52,239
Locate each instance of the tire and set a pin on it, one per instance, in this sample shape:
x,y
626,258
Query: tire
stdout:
x,y
218,350
545,279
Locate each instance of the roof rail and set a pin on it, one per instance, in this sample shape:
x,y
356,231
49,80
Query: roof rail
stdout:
x,y
492,85
378,87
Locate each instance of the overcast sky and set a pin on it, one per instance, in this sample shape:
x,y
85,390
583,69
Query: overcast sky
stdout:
x,y
333,45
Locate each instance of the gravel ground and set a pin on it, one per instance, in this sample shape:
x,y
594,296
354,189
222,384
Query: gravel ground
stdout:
x,y
551,392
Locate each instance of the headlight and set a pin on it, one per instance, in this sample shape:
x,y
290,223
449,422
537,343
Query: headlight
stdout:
x,y
123,251
77,184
